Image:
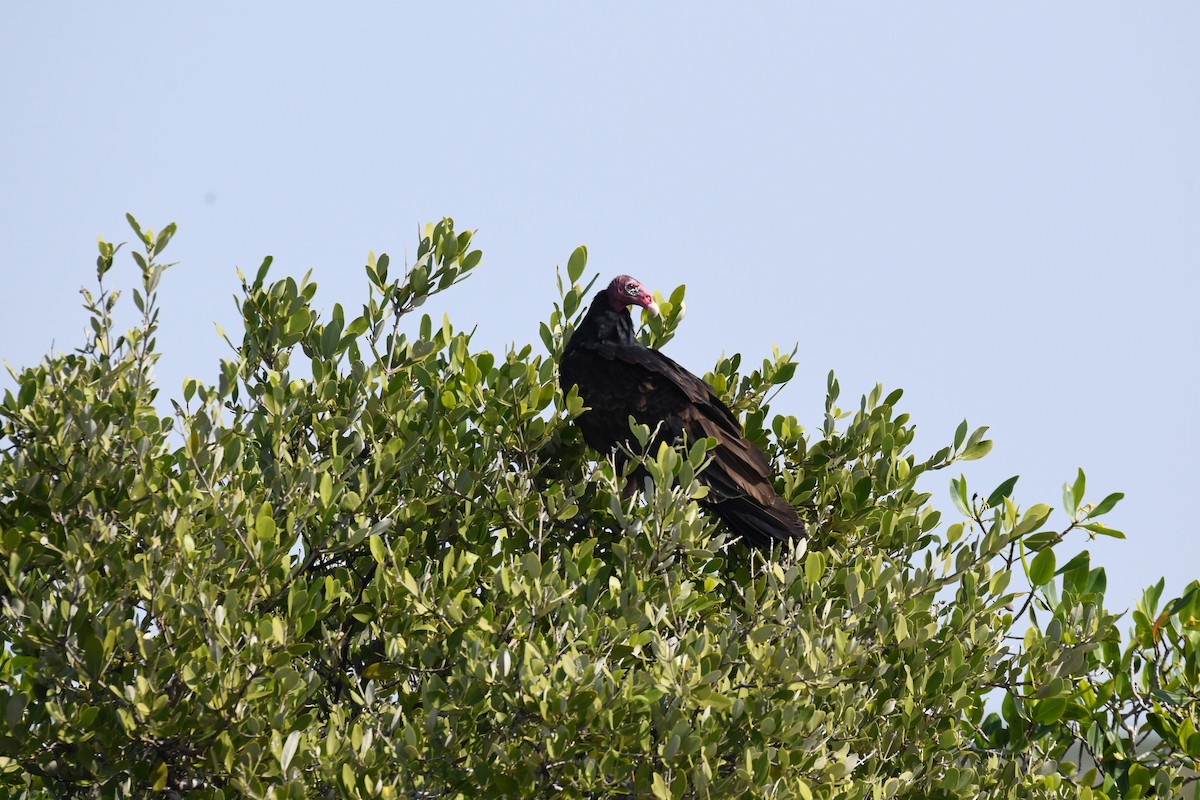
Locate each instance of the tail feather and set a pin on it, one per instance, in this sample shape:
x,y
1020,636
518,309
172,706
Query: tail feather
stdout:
x,y
760,525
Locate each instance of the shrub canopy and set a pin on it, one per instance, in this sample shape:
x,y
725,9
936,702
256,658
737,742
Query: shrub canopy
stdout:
x,y
370,561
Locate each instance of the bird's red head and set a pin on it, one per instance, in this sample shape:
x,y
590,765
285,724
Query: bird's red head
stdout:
x,y
626,291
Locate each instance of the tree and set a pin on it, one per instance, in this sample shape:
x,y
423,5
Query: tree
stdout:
x,y
369,561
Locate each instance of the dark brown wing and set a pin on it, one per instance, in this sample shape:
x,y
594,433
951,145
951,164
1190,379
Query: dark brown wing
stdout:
x,y
616,381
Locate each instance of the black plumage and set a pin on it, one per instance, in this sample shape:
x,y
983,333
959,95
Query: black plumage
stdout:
x,y
619,377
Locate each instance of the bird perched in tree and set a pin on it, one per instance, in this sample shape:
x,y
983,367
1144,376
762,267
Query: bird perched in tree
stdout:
x,y
618,377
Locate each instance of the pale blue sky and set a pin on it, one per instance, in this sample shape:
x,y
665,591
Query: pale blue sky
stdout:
x,y
993,206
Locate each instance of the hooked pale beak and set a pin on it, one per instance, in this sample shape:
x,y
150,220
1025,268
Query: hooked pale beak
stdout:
x,y
652,307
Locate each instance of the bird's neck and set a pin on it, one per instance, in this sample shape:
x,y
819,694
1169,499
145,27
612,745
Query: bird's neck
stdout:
x,y
604,324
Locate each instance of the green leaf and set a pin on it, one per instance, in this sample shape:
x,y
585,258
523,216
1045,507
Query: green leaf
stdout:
x,y
1041,570
1002,491
1032,519
1050,710
577,263
1081,561
261,275
159,776
378,549
28,392
1106,505
264,524
1073,494
707,698
976,436
960,435
298,322
289,750
409,582
814,567
331,337
93,654
164,238
137,229
958,494
977,450
676,299
14,707
1103,530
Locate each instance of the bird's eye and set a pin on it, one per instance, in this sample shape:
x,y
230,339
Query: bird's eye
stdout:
x,y
632,289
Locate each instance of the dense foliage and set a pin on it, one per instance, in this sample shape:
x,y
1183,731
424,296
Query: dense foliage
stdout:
x,y
369,561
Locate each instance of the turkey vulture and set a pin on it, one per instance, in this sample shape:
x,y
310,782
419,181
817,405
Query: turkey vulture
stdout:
x,y
617,377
